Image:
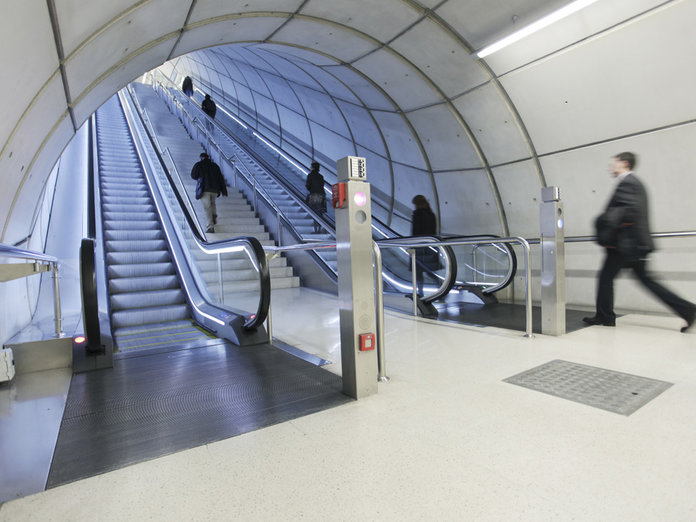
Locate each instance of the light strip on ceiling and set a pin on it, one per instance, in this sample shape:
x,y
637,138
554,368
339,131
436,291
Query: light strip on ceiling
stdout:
x,y
569,9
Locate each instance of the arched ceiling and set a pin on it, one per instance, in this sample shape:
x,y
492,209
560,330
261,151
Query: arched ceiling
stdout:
x,y
475,129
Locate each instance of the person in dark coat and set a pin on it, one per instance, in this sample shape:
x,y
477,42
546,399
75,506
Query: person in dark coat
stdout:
x,y
423,223
187,86
316,199
211,184
209,106
623,230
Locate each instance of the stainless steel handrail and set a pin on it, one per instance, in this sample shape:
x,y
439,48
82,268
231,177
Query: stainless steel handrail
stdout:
x,y
19,253
509,240
592,239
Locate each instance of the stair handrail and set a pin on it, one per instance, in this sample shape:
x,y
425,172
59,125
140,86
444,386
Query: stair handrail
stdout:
x,y
41,263
195,120
235,163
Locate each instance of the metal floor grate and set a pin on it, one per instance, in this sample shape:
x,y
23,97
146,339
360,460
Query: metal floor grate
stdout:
x,y
609,390
155,404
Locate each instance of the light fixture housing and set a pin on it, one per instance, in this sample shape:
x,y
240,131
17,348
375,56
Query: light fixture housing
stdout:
x,y
549,19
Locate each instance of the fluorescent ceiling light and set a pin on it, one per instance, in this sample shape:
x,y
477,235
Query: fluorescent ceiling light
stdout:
x,y
536,26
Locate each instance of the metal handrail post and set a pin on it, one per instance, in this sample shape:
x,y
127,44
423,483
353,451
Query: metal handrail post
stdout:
x,y
220,285
527,290
269,320
414,282
379,305
56,302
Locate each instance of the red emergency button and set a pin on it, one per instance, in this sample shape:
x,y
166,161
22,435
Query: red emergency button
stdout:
x,y
367,342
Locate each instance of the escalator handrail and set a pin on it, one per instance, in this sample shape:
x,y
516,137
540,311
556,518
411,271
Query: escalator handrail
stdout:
x,y
448,282
450,260
299,196
450,277
251,244
512,266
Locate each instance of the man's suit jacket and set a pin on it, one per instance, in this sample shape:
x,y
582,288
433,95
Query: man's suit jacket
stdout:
x,y
624,223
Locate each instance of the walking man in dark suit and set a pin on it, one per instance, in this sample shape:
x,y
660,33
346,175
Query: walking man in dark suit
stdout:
x,y
624,231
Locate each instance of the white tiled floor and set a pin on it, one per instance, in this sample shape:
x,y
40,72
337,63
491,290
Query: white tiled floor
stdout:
x,y
446,439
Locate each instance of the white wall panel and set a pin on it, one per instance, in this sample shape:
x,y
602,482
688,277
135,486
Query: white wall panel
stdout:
x,y
364,130
227,31
401,142
363,89
425,45
321,109
331,144
18,166
520,192
382,20
591,20
26,28
575,98
282,92
493,124
380,177
282,66
306,55
118,78
467,204
205,9
665,165
25,207
295,127
399,80
78,20
117,43
446,143
343,45
331,84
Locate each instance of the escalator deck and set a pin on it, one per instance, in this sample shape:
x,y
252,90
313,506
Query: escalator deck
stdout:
x,y
153,405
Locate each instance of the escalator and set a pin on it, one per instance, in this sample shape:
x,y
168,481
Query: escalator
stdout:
x,y
154,280
271,173
148,307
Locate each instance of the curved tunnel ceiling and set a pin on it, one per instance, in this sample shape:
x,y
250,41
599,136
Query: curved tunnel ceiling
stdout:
x,y
393,78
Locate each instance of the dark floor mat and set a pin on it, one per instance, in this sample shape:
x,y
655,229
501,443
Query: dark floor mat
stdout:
x,y
503,315
154,405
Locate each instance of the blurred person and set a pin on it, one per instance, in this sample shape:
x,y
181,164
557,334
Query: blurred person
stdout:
x,y
187,86
623,230
423,223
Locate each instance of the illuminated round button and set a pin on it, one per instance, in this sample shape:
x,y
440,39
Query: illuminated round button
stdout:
x,y
360,199
79,339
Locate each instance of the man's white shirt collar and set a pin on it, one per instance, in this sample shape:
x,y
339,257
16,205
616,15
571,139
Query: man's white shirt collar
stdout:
x,y
622,176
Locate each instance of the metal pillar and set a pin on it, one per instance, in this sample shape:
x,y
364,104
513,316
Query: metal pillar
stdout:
x,y
356,283
553,294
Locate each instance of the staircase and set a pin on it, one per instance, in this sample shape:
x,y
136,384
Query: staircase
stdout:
x,y
235,216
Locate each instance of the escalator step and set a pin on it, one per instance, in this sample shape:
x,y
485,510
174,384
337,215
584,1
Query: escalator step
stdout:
x,y
146,299
143,316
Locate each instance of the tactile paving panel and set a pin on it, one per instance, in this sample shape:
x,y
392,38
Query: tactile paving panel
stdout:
x,y
606,389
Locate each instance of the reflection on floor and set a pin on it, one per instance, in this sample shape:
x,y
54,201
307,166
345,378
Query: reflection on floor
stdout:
x,y
446,438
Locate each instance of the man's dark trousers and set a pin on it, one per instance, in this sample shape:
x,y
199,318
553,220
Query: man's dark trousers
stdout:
x,y
613,263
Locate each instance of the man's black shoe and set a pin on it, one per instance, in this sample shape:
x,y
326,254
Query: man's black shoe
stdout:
x,y
594,320
689,320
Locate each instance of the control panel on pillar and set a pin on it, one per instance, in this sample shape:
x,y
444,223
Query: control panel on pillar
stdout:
x,y
366,342
351,168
